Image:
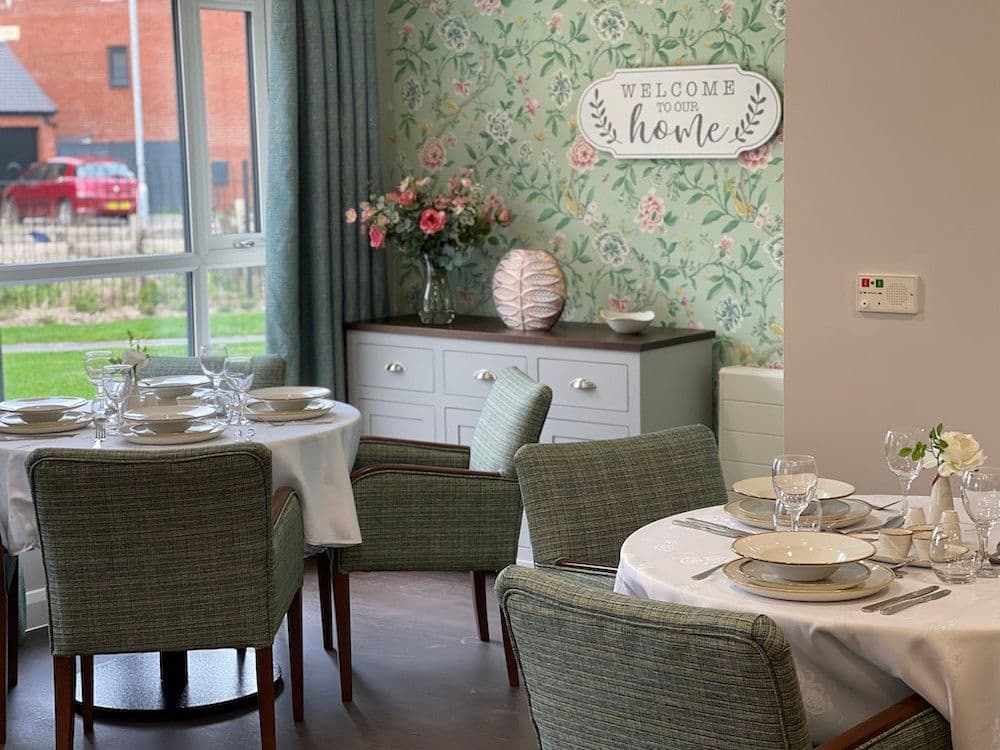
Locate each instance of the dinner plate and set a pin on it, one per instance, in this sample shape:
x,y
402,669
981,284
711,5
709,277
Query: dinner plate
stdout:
x,y
289,397
878,580
261,411
41,409
764,509
845,577
858,511
198,432
13,424
763,487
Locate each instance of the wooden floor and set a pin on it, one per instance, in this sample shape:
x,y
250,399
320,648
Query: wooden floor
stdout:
x,y
422,679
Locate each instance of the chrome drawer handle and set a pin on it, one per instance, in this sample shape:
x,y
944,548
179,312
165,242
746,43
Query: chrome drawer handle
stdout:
x,y
486,375
582,384
396,367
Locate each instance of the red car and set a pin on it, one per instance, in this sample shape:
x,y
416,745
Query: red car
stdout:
x,y
68,188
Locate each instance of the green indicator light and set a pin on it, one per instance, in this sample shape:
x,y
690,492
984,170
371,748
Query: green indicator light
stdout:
x,y
879,283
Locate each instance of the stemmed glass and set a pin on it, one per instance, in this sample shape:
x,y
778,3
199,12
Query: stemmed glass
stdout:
x,y
116,380
237,372
981,498
905,467
794,478
94,363
212,359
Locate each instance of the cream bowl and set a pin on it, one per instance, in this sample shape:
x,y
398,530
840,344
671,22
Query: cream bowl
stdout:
x,y
163,420
622,322
289,397
171,387
803,555
42,409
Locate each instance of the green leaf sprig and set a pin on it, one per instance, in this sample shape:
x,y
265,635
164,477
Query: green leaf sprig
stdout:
x,y
919,450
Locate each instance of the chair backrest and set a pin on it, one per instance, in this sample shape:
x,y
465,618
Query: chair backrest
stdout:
x,y
512,416
268,369
609,671
583,499
155,550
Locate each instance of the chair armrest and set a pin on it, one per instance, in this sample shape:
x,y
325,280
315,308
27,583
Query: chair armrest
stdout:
x,y
373,451
434,519
288,543
585,567
912,722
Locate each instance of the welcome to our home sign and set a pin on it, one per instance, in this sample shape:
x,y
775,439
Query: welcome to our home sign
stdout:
x,y
686,112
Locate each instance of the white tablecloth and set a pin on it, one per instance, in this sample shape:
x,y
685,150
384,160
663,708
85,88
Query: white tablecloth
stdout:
x,y
850,664
313,457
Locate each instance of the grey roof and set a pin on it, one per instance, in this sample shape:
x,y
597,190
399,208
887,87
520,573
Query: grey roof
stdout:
x,y
19,93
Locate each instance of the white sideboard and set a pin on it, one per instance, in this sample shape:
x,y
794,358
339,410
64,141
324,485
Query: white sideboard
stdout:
x,y
751,420
429,382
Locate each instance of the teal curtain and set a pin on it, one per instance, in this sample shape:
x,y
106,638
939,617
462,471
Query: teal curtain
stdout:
x,y
323,158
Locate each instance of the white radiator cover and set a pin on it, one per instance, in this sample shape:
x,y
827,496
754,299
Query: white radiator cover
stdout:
x,y
751,420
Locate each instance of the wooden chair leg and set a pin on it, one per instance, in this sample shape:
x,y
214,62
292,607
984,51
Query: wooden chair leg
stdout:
x,y
13,622
508,652
342,606
479,598
64,674
295,654
265,698
323,570
87,689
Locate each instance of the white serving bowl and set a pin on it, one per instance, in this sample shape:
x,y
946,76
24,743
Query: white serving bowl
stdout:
x,y
623,322
171,387
289,397
803,555
41,409
163,420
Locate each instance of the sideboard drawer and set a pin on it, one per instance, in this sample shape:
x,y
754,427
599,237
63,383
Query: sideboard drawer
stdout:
x,y
393,420
473,373
568,431
588,385
401,367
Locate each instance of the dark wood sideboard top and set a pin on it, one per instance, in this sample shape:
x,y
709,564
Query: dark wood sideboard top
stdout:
x,y
580,335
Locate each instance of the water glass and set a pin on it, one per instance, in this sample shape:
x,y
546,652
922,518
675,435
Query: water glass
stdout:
x,y
117,379
211,359
810,519
794,478
981,499
953,558
905,468
237,373
94,363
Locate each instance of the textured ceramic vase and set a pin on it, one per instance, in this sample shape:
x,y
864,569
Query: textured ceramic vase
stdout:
x,y
529,290
941,499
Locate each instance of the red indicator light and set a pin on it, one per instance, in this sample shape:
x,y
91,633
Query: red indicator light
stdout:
x,y
866,282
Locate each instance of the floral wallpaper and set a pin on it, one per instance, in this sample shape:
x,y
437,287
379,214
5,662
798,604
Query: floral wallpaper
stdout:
x,y
494,85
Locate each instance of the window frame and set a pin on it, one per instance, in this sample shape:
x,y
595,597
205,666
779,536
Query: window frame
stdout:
x,y
116,83
203,252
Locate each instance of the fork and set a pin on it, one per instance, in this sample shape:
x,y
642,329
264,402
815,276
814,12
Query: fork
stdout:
x,y
100,433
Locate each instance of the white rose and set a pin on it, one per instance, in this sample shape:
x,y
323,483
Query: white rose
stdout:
x,y
138,360
961,453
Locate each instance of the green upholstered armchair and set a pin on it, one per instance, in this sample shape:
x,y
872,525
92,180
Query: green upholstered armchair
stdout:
x,y
609,671
431,507
268,369
582,500
168,551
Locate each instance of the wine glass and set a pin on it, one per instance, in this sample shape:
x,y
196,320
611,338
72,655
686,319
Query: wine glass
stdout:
x,y
116,380
981,498
237,372
905,467
794,478
212,360
94,363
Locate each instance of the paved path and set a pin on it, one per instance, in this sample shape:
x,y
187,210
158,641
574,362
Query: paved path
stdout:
x,y
117,345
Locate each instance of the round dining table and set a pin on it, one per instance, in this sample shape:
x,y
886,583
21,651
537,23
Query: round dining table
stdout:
x,y
313,456
850,664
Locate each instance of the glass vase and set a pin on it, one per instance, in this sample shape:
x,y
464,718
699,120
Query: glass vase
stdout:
x,y
436,306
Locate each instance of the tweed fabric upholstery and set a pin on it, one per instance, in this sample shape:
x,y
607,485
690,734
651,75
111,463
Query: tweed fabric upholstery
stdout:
x,y
268,369
374,451
425,520
512,416
163,550
927,730
594,580
583,499
609,671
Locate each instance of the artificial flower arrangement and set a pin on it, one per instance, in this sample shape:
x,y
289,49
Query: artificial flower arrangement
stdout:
x,y
136,355
444,226
947,452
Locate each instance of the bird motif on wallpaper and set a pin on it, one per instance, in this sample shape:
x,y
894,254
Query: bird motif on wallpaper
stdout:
x,y
743,209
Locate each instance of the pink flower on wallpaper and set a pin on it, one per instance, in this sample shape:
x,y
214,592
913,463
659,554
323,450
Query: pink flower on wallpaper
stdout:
x,y
757,158
592,214
726,243
726,9
582,156
350,216
619,304
777,365
651,212
466,297
451,140
486,7
376,237
406,32
532,105
559,239
685,303
462,88
432,155
555,22
695,324
431,221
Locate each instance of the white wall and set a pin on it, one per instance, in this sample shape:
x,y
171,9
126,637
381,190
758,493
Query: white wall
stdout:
x,y
892,127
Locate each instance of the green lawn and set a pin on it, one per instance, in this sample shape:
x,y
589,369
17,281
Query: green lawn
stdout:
x,y
223,324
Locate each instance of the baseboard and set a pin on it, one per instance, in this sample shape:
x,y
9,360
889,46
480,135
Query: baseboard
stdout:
x,y
37,615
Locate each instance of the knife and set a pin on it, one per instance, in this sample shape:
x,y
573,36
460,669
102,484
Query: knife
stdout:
x,y
896,599
912,602
720,531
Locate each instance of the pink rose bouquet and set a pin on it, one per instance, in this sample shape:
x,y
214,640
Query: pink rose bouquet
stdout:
x,y
415,220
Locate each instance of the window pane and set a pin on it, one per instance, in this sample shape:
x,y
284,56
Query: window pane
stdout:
x,y
59,70
236,306
225,41
45,328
